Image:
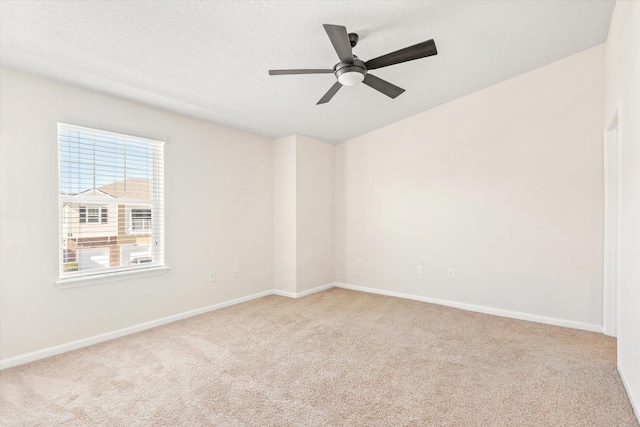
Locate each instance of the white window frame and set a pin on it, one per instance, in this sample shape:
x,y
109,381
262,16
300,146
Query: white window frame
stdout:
x,y
75,279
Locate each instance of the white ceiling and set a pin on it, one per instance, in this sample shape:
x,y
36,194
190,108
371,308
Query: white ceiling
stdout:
x,y
210,59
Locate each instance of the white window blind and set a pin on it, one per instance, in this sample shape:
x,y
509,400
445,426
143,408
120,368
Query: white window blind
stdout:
x,y
111,201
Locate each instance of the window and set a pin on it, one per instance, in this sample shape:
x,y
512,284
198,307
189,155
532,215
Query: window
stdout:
x,y
140,220
93,214
111,201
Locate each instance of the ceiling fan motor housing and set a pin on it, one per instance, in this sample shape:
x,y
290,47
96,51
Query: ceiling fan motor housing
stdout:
x,y
350,74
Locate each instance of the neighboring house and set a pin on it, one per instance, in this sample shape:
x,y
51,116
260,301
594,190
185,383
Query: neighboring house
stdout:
x,y
107,234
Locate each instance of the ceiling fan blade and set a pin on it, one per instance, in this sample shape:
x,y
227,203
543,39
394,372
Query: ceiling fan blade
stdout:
x,y
392,91
304,71
417,51
327,96
340,40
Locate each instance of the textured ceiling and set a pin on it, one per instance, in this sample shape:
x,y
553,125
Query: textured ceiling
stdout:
x,y
210,59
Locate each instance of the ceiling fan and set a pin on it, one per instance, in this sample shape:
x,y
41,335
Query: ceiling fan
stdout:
x,y
351,70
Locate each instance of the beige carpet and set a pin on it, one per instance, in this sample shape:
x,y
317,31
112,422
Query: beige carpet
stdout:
x,y
334,358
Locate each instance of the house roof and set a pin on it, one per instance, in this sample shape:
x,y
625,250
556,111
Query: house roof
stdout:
x,y
132,188
93,192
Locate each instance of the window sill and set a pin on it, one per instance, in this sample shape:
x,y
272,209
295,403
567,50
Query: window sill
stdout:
x,y
75,282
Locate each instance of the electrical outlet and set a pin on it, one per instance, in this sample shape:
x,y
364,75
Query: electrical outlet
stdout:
x,y
235,272
419,269
212,276
357,263
451,273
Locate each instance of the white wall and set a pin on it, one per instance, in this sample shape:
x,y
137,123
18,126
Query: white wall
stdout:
x,y
314,201
218,213
504,185
284,214
303,214
623,85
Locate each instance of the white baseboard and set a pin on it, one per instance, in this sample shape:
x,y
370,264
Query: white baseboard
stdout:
x,y
284,293
85,342
634,404
480,309
305,293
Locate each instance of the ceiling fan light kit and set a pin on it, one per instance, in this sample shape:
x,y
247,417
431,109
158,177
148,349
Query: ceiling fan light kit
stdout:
x,y
351,70
350,74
